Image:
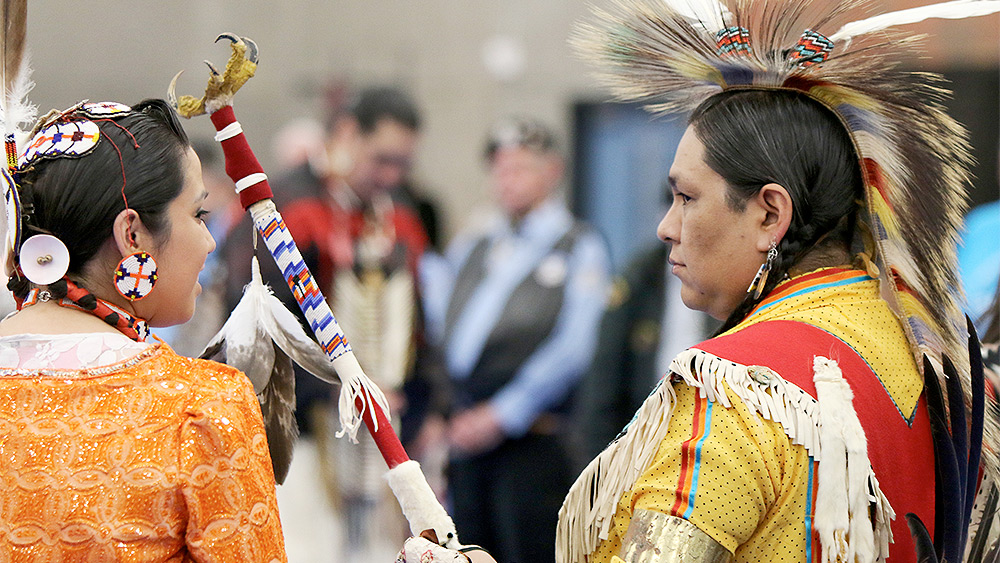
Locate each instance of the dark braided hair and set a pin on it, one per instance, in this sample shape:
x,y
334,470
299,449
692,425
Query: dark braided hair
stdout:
x,y
77,199
757,137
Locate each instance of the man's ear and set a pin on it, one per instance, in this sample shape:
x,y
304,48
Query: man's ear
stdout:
x,y
776,203
129,233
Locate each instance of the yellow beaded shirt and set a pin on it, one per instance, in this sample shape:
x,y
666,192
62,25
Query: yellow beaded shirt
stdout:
x,y
737,476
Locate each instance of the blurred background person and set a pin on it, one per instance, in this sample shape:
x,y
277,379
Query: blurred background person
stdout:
x,y
644,326
298,142
363,245
519,324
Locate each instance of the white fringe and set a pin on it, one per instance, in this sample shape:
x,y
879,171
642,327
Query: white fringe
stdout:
x,y
830,433
842,521
586,514
356,385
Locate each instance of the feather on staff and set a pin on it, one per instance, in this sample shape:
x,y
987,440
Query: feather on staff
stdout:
x,y
262,339
359,397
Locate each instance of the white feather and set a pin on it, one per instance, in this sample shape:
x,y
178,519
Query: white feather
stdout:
x,y
260,319
288,333
709,15
957,9
16,109
247,344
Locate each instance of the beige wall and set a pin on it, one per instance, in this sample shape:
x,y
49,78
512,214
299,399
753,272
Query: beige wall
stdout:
x,y
129,50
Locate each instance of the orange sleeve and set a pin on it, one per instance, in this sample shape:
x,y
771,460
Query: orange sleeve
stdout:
x,y
226,471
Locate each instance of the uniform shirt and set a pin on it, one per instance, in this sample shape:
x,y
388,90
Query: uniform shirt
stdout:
x,y
979,260
549,374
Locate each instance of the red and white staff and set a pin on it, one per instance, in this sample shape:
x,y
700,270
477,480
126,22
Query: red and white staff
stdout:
x,y
360,398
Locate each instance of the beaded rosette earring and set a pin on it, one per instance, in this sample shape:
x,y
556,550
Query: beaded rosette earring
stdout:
x,y
73,133
136,276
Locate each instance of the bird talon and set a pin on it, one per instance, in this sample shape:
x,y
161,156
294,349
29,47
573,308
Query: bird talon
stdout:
x,y
252,50
211,68
172,90
232,37
222,85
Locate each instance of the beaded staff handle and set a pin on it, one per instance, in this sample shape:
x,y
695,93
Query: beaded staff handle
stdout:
x,y
358,392
420,506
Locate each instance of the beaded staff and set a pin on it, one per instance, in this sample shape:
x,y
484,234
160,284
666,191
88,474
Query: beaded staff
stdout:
x,y
417,500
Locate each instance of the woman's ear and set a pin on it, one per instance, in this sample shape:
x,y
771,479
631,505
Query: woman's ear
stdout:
x,y
776,203
130,234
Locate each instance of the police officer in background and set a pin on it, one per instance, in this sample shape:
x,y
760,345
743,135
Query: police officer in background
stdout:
x,y
519,319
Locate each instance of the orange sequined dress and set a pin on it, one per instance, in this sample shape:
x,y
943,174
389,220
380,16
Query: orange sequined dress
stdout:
x,y
154,458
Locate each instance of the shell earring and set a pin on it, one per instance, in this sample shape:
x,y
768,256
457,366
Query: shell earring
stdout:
x,y
44,259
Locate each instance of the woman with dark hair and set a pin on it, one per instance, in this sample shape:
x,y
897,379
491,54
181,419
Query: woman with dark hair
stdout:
x,y
816,198
116,448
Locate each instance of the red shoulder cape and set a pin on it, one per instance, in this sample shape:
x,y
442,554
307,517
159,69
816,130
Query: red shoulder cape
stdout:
x,y
901,450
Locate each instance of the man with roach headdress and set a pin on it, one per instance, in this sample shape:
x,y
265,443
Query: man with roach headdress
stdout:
x,y
816,196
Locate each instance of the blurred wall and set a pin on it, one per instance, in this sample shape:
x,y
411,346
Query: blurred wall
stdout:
x,y
126,51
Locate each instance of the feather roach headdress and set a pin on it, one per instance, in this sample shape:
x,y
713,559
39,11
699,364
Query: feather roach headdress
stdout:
x,y
914,158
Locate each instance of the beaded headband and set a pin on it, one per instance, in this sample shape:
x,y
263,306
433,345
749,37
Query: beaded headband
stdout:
x,y
69,134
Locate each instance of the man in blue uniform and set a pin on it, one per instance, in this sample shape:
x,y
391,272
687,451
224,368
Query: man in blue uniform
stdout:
x,y
520,325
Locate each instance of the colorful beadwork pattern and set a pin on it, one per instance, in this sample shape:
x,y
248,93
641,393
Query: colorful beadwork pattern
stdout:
x,y
72,139
103,110
71,133
812,49
300,281
733,41
12,210
79,298
10,149
135,276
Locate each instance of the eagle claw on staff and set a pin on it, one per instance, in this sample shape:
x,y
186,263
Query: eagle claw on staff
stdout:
x,y
222,86
262,338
